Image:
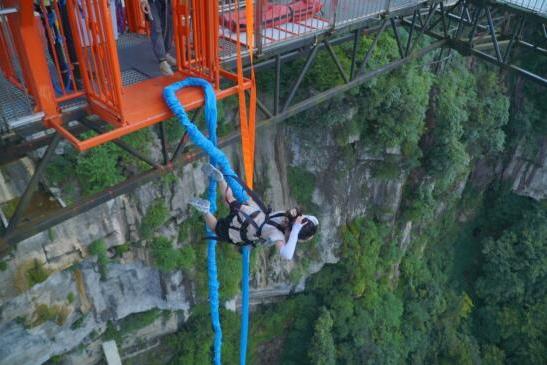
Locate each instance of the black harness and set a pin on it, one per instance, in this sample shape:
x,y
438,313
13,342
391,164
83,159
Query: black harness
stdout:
x,y
249,219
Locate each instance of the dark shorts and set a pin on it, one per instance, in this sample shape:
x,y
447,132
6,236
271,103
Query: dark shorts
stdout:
x,y
222,229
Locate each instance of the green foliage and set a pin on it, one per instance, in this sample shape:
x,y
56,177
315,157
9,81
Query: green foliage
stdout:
x,y
392,109
324,74
44,313
302,185
527,122
193,343
98,248
141,141
322,350
168,258
8,208
121,249
51,234
77,323
454,94
387,170
61,168
510,288
135,322
97,168
70,297
3,265
229,268
57,359
155,217
191,230
164,254
112,333
174,130
489,114
28,274
37,273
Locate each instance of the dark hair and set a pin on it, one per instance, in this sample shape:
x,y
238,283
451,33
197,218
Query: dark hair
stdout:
x,y
308,230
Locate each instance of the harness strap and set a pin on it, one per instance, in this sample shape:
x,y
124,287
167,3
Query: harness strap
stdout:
x,y
238,244
252,194
249,219
268,220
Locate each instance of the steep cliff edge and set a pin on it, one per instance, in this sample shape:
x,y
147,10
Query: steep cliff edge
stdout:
x,y
345,187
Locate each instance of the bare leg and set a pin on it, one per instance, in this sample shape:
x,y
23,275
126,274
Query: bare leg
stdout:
x,y
211,221
227,194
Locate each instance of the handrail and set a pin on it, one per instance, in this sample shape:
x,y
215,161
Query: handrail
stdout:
x,y
7,11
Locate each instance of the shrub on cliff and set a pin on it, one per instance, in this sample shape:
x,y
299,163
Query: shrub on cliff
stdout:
x,y
155,217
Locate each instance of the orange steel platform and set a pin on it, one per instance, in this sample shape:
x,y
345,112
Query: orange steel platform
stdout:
x,y
143,106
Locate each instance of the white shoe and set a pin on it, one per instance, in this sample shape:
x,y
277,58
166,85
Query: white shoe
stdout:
x,y
201,205
171,60
211,171
165,69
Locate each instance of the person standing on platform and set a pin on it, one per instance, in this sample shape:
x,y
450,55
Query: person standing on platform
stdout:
x,y
158,13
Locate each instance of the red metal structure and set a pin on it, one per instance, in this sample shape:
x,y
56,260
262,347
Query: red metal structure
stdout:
x,y
127,109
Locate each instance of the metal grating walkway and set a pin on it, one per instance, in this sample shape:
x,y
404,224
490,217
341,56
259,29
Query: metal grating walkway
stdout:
x,y
14,103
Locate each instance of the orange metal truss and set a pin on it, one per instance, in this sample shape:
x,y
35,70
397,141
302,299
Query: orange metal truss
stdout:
x,y
133,107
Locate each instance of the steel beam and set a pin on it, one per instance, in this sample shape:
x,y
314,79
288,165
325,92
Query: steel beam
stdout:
x,y
493,35
356,36
37,225
514,37
180,147
118,142
296,85
409,40
33,184
277,86
336,61
163,140
519,70
371,48
263,108
397,38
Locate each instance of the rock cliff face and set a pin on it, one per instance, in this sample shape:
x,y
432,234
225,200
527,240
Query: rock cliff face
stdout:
x,y
529,175
347,184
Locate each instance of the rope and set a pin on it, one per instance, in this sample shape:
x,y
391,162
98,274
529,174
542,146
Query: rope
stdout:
x,y
244,305
218,159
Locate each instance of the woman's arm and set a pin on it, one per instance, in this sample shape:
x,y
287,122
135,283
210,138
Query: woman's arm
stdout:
x,y
286,250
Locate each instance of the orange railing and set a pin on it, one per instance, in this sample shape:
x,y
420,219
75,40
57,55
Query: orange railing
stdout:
x,y
8,55
50,42
96,48
194,23
60,51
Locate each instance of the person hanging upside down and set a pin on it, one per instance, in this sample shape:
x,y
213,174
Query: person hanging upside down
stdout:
x,y
248,222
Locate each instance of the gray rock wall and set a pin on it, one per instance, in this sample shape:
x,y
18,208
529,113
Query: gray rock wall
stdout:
x,y
347,186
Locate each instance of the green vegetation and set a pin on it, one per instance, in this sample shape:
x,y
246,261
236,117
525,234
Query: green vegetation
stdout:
x,y
30,273
77,323
322,350
57,359
98,248
302,185
111,333
465,290
99,168
3,265
44,313
155,217
130,324
121,249
168,258
70,297
8,208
